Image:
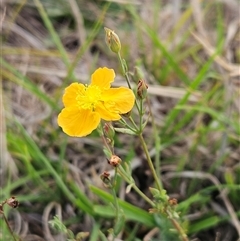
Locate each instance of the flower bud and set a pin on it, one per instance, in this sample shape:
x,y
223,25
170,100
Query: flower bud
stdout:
x,y
105,177
172,201
108,130
112,40
1,208
115,161
137,74
142,89
12,202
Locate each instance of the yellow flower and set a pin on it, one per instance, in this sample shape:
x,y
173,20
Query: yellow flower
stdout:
x,y
86,105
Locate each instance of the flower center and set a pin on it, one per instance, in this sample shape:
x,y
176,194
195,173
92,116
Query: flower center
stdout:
x,y
89,98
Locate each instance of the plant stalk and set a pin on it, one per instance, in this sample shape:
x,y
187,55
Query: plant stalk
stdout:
x,y
155,176
123,174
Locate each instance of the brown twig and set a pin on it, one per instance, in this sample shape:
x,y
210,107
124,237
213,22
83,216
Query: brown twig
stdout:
x,y
12,202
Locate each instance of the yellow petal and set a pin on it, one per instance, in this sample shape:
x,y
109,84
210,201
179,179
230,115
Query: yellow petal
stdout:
x,y
103,77
108,114
75,122
71,93
118,100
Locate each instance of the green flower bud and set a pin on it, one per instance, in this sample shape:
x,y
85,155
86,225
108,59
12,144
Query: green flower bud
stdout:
x,y
112,40
137,74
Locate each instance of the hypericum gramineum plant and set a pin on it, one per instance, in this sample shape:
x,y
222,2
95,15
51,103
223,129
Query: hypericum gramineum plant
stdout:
x,y
84,108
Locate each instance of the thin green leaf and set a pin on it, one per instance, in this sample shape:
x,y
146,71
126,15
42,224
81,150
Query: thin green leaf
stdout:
x,y
125,131
204,224
131,212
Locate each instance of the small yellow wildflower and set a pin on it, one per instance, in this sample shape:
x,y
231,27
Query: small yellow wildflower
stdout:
x,y
86,105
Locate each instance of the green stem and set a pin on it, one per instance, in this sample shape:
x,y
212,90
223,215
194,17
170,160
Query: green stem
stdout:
x,y
9,228
155,176
130,181
125,124
134,124
102,236
179,228
114,192
143,195
100,132
115,197
157,141
125,73
141,116
124,70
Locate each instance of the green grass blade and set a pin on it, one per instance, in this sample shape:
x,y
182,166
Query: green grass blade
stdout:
x,y
95,232
204,224
38,155
55,37
159,45
193,86
131,212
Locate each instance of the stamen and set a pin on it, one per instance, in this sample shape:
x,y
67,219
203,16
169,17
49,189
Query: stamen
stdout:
x,y
90,98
